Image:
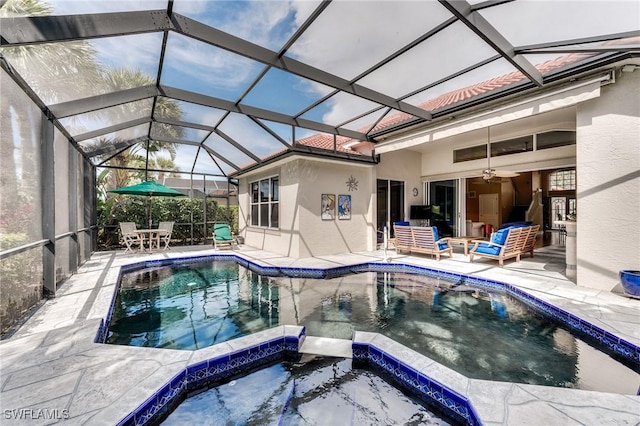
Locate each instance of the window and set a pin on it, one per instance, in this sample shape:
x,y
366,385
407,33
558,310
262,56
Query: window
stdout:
x,y
555,138
562,180
471,153
265,195
512,146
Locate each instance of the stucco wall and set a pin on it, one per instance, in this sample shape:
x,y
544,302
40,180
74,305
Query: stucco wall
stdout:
x,y
403,166
438,163
302,232
608,183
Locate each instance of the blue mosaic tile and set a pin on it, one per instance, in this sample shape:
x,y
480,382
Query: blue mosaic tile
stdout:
x,y
101,333
391,365
239,354
179,381
375,354
360,352
273,349
146,411
291,344
425,385
195,368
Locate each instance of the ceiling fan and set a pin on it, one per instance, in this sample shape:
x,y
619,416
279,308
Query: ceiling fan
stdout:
x,y
488,174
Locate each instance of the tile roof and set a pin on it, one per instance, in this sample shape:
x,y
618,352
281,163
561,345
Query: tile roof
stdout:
x,y
478,89
325,141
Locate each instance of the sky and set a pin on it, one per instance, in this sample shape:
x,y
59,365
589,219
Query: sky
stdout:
x,y
347,39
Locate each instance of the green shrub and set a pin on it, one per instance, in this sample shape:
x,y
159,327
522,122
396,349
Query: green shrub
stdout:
x,y
187,215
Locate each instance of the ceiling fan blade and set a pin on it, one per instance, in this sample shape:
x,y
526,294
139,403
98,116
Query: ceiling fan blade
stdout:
x,y
477,181
505,173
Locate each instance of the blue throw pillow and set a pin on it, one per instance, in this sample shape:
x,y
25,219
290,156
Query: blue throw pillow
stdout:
x,y
500,236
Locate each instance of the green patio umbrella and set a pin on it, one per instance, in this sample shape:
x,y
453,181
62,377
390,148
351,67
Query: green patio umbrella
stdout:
x,y
148,189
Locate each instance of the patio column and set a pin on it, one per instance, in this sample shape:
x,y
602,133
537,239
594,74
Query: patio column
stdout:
x,y
47,190
571,248
72,177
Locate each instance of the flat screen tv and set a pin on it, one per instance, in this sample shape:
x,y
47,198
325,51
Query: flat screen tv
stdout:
x,y
420,212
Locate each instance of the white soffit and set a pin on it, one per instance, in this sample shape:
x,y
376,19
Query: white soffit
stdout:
x,y
558,99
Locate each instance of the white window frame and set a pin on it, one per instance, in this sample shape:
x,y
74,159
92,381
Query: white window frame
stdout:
x,y
272,199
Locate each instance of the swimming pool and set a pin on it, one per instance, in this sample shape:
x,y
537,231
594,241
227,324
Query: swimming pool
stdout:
x,y
480,334
316,391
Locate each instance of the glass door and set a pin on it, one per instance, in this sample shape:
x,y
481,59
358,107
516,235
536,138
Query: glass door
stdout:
x,y
443,198
390,205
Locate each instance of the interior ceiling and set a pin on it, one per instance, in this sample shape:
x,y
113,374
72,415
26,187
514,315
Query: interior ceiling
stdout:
x,y
228,85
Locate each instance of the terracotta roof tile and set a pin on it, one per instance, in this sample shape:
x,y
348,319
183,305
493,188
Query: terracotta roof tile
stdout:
x,y
478,89
325,141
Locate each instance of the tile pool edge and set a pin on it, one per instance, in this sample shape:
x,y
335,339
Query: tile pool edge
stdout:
x,y
605,339
200,374
402,366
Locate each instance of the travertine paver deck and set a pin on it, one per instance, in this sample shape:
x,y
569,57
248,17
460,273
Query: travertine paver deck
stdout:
x,y
52,371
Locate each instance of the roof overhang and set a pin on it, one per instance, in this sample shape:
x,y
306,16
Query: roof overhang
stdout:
x,y
550,100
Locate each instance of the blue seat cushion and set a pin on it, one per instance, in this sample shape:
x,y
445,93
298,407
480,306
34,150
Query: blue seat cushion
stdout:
x,y
401,223
515,225
485,248
443,245
500,236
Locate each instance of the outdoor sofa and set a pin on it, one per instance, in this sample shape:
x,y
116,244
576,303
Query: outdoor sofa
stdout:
x,y
507,243
421,239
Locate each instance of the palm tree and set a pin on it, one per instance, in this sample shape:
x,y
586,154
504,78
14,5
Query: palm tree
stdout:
x,y
53,69
124,78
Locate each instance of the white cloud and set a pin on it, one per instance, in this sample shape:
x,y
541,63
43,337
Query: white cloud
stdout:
x,y
244,131
351,36
344,106
141,51
207,64
75,7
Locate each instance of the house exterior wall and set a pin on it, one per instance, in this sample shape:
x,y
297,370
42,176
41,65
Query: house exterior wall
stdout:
x,y
608,183
402,166
302,232
606,156
438,163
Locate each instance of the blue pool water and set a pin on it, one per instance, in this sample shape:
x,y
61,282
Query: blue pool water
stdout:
x,y
320,391
479,334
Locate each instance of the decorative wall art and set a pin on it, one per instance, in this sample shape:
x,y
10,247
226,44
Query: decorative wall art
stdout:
x,y
344,207
328,203
352,183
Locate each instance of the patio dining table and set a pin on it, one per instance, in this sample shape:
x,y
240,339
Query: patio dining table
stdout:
x,y
151,235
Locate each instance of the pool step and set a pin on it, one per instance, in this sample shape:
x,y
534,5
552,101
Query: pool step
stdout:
x,y
326,346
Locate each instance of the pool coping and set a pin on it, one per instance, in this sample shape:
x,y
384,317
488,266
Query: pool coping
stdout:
x,y
582,327
247,353
52,366
435,384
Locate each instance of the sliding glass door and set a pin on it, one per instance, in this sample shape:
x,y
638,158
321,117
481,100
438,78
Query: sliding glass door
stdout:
x,y
390,205
443,198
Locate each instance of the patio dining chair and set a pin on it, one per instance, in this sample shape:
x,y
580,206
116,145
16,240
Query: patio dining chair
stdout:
x,y
164,234
130,236
222,236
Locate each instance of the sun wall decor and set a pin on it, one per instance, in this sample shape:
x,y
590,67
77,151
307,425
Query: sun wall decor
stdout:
x,y
352,183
